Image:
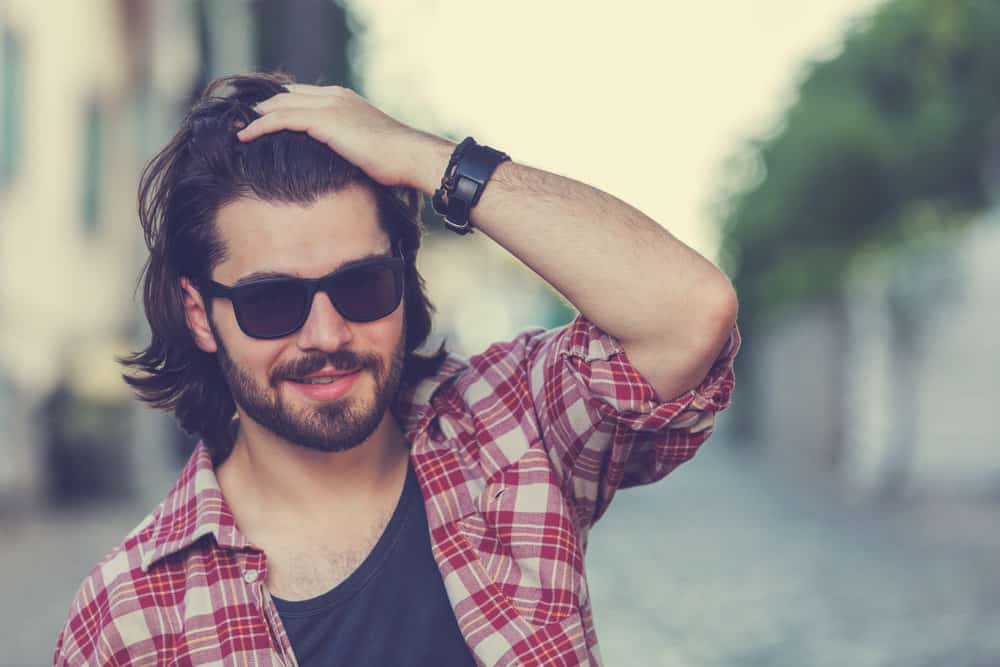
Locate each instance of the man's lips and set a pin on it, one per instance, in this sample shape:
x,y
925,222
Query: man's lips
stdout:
x,y
338,384
323,374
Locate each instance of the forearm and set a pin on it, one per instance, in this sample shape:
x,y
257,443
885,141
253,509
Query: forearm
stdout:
x,y
622,270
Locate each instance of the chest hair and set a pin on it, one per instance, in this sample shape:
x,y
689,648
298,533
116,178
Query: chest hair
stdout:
x,y
298,570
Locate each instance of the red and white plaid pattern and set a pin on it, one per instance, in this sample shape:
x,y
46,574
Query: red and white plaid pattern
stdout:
x,y
518,452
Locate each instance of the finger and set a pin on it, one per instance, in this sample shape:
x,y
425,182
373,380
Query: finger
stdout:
x,y
290,101
309,89
300,120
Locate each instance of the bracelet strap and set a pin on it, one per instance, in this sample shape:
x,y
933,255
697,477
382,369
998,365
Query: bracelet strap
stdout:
x,y
470,167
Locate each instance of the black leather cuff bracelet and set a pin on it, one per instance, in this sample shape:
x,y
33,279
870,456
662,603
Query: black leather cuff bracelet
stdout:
x,y
464,179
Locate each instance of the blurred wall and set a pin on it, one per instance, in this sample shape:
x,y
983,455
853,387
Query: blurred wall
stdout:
x,y
799,395
892,391
931,427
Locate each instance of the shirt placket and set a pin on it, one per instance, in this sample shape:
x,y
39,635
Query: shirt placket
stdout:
x,y
254,573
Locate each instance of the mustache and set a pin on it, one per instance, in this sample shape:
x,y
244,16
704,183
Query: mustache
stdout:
x,y
340,360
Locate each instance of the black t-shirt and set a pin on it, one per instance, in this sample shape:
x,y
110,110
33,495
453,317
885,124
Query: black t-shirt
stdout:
x,y
392,610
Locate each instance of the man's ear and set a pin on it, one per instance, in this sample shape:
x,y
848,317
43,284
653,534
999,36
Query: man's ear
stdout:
x,y
196,317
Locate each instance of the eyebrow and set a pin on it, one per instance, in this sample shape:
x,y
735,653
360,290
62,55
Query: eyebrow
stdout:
x,y
261,275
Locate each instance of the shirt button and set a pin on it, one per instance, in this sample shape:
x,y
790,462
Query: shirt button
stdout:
x,y
250,576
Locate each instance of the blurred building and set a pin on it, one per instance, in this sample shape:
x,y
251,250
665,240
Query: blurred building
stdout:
x,y
88,92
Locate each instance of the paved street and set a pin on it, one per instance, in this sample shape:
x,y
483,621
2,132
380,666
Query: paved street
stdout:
x,y
727,563
724,563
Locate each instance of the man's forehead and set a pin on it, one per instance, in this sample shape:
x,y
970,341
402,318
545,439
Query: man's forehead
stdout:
x,y
299,239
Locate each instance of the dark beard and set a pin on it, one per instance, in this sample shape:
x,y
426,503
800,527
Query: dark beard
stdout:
x,y
332,427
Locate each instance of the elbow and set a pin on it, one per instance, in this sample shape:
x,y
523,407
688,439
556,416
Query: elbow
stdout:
x,y
731,303
724,310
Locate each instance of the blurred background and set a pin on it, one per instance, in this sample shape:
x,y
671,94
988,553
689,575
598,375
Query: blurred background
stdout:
x,y
839,160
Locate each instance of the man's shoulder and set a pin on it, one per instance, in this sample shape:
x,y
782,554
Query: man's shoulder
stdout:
x,y
532,346
470,375
122,565
105,592
484,383
506,353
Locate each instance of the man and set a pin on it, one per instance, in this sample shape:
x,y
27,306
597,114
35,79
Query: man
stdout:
x,y
353,501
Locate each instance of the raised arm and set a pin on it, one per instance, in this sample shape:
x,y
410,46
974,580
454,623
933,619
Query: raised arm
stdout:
x,y
671,309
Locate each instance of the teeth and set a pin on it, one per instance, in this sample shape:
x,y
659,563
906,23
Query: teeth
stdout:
x,y
320,380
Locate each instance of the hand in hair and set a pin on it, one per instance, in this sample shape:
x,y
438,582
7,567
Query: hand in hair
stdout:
x,y
389,151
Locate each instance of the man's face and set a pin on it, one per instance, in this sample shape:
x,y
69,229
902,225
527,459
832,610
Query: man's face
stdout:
x,y
308,242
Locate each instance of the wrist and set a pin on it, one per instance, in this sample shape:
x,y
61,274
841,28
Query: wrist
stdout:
x,y
469,169
429,158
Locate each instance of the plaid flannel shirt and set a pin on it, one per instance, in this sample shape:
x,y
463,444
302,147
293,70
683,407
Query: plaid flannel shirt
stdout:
x,y
518,451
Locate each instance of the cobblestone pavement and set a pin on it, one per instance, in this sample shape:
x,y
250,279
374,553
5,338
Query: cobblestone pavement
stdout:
x,y
726,562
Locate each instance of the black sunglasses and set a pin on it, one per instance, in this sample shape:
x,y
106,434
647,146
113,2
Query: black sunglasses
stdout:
x,y
364,291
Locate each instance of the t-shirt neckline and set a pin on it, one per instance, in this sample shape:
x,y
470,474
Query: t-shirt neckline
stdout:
x,y
370,566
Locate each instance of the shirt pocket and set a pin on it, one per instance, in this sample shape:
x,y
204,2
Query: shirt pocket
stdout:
x,y
526,542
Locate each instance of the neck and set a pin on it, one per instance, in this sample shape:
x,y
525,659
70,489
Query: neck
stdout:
x,y
265,475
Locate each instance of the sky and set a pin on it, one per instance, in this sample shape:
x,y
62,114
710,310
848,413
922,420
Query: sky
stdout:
x,y
645,102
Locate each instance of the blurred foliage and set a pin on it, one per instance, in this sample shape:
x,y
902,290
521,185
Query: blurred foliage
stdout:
x,y
887,142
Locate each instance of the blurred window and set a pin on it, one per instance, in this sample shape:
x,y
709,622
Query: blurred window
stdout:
x,y
11,99
92,167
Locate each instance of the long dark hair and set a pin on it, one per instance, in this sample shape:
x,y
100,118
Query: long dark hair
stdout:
x,y
203,168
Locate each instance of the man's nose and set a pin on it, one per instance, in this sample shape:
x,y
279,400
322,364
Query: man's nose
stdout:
x,y
325,329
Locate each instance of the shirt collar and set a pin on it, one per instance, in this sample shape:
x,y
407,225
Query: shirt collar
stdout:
x,y
193,508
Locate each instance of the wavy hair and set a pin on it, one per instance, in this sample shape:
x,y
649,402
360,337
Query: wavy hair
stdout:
x,y
203,168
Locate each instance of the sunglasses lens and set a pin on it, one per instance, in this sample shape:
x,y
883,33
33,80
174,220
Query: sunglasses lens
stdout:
x,y
277,308
270,310
367,293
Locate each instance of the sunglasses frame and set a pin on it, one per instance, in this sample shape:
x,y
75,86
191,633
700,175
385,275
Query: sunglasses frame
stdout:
x,y
235,293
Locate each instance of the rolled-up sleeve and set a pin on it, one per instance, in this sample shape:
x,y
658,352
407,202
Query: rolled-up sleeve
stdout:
x,y
601,421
